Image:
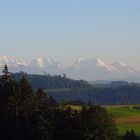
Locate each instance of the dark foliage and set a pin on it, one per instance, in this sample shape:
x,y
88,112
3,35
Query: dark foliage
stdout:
x,y
130,135
129,94
97,128
27,114
50,82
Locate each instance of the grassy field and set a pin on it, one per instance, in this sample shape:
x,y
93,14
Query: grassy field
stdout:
x,y
127,118
123,111
75,107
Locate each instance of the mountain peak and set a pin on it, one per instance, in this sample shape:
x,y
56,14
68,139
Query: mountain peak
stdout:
x,y
123,67
80,60
92,63
43,62
10,61
100,62
120,63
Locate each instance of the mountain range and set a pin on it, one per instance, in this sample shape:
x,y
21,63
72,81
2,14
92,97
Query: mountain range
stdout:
x,y
87,69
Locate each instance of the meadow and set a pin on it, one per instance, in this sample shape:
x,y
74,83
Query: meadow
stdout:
x,y
127,118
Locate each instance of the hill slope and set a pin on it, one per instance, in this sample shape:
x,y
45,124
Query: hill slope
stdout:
x,y
61,86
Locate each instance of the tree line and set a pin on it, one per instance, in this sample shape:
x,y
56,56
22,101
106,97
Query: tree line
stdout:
x,y
50,81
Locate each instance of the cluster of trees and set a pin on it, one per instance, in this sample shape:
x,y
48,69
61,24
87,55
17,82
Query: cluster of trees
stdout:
x,y
50,81
130,135
129,94
27,114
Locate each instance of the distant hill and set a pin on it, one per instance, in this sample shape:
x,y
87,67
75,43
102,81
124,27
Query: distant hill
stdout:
x,y
117,92
51,81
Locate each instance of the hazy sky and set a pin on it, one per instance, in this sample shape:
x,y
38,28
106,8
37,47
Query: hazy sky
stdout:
x,y
69,29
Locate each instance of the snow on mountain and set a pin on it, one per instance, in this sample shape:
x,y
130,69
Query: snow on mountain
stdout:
x,y
92,69
10,61
123,67
97,69
93,63
101,63
87,69
43,62
39,62
80,60
43,65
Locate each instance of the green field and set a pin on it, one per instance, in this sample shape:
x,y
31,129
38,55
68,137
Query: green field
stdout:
x,y
127,118
123,111
74,107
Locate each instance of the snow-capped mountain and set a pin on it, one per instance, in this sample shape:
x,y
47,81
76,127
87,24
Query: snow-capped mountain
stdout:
x,y
11,62
43,65
123,67
43,62
92,69
87,69
92,63
98,69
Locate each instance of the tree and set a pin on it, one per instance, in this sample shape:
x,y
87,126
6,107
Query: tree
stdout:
x,y
40,123
67,125
64,76
52,102
98,124
130,135
6,125
40,100
90,103
6,73
62,103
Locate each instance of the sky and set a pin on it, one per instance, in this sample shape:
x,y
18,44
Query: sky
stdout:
x,y
69,29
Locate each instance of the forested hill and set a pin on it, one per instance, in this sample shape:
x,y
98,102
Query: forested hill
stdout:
x,y
71,90
51,81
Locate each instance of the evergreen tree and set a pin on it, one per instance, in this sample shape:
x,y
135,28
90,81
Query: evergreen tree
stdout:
x,y
52,102
130,135
40,100
133,135
62,103
67,125
6,73
6,126
98,124
90,103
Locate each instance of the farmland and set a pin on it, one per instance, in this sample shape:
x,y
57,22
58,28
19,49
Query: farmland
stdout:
x,y
127,118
